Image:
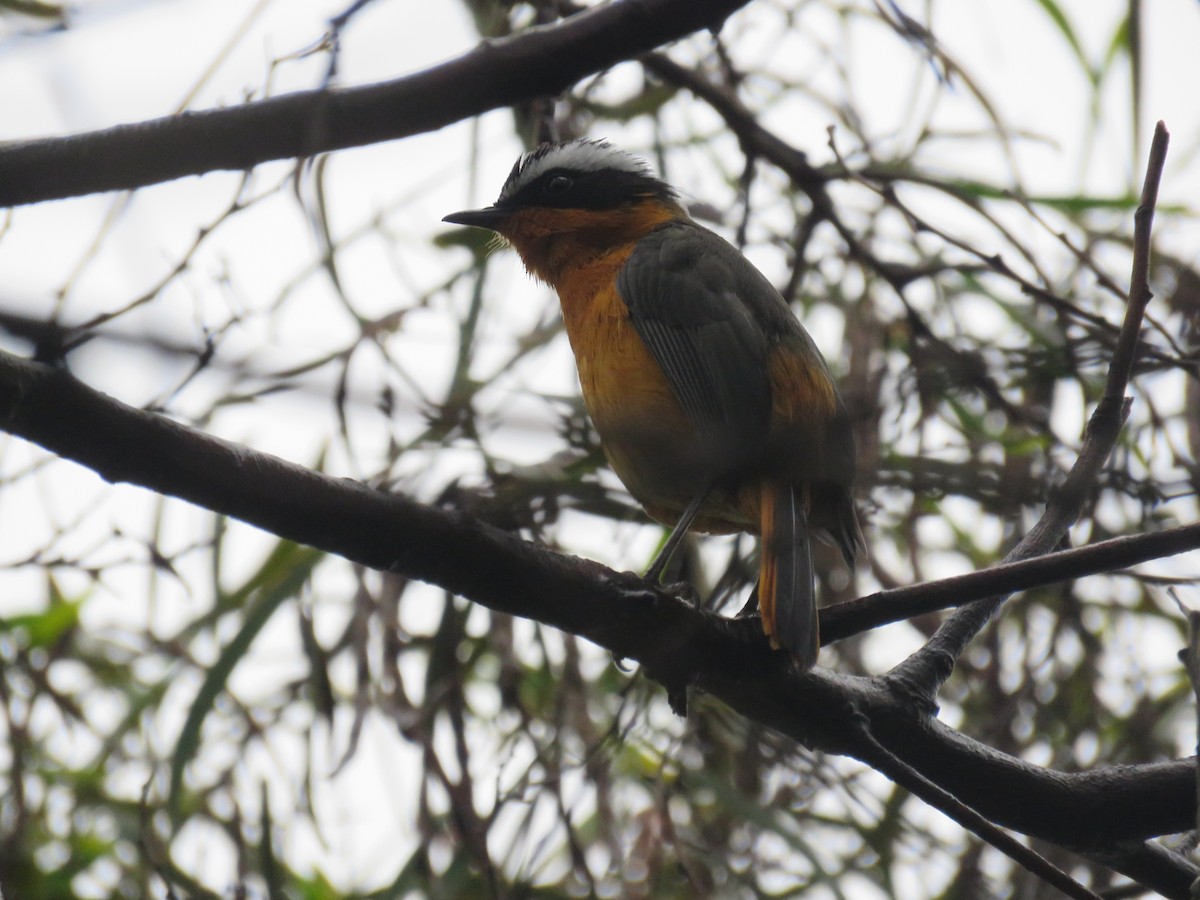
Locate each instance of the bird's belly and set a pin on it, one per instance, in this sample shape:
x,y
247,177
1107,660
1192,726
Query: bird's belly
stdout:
x,y
647,438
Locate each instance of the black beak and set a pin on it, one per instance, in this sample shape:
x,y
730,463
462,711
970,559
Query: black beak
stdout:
x,y
489,218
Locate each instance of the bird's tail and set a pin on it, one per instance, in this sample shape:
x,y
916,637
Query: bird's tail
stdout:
x,y
786,592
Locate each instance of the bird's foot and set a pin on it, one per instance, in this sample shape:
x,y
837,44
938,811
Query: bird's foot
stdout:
x,y
684,590
634,585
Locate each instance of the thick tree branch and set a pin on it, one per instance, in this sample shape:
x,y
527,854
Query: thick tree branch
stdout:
x,y
542,61
677,643
993,784
1150,865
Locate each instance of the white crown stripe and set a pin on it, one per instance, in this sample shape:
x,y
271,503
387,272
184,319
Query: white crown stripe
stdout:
x,y
583,155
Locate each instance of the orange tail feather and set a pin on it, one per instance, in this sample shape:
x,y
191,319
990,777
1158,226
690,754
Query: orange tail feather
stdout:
x,y
786,593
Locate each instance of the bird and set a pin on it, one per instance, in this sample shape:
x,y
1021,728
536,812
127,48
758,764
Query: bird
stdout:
x,y
712,403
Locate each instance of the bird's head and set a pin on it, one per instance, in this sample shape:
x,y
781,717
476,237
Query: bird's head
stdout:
x,y
566,203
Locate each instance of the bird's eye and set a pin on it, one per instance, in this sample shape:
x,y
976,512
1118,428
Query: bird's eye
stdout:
x,y
558,185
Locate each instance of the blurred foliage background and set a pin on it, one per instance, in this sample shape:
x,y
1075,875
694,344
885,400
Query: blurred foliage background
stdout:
x,y
191,708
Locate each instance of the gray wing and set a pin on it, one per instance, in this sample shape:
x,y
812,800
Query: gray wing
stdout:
x,y
698,305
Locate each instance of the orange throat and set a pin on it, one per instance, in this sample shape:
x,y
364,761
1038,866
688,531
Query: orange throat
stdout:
x,y
557,244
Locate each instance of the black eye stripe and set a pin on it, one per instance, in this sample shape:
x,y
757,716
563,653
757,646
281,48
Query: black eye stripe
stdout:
x,y
602,189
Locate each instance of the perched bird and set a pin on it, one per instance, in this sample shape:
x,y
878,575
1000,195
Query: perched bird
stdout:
x,y
712,403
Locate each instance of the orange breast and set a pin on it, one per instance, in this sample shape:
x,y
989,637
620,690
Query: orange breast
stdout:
x,y
649,441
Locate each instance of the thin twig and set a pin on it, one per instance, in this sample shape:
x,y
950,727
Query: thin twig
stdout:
x,y
927,669
1139,279
842,620
913,781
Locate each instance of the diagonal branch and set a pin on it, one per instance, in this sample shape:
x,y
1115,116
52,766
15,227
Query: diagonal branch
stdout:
x,y
843,620
542,61
927,669
937,797
680,643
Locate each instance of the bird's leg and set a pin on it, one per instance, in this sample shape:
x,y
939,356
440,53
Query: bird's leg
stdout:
x,y
654,573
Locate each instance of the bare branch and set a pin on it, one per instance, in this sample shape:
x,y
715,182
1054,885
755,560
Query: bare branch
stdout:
x,y
855,616
542,61
933,794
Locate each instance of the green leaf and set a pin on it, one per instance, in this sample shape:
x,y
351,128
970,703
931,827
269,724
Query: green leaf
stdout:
x,y
46,628
478,240
648,102
282,575
1060,20
1067,203
318,667
1121,43
36,8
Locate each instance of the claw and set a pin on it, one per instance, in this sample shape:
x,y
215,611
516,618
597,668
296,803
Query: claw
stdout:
x,y
684,590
